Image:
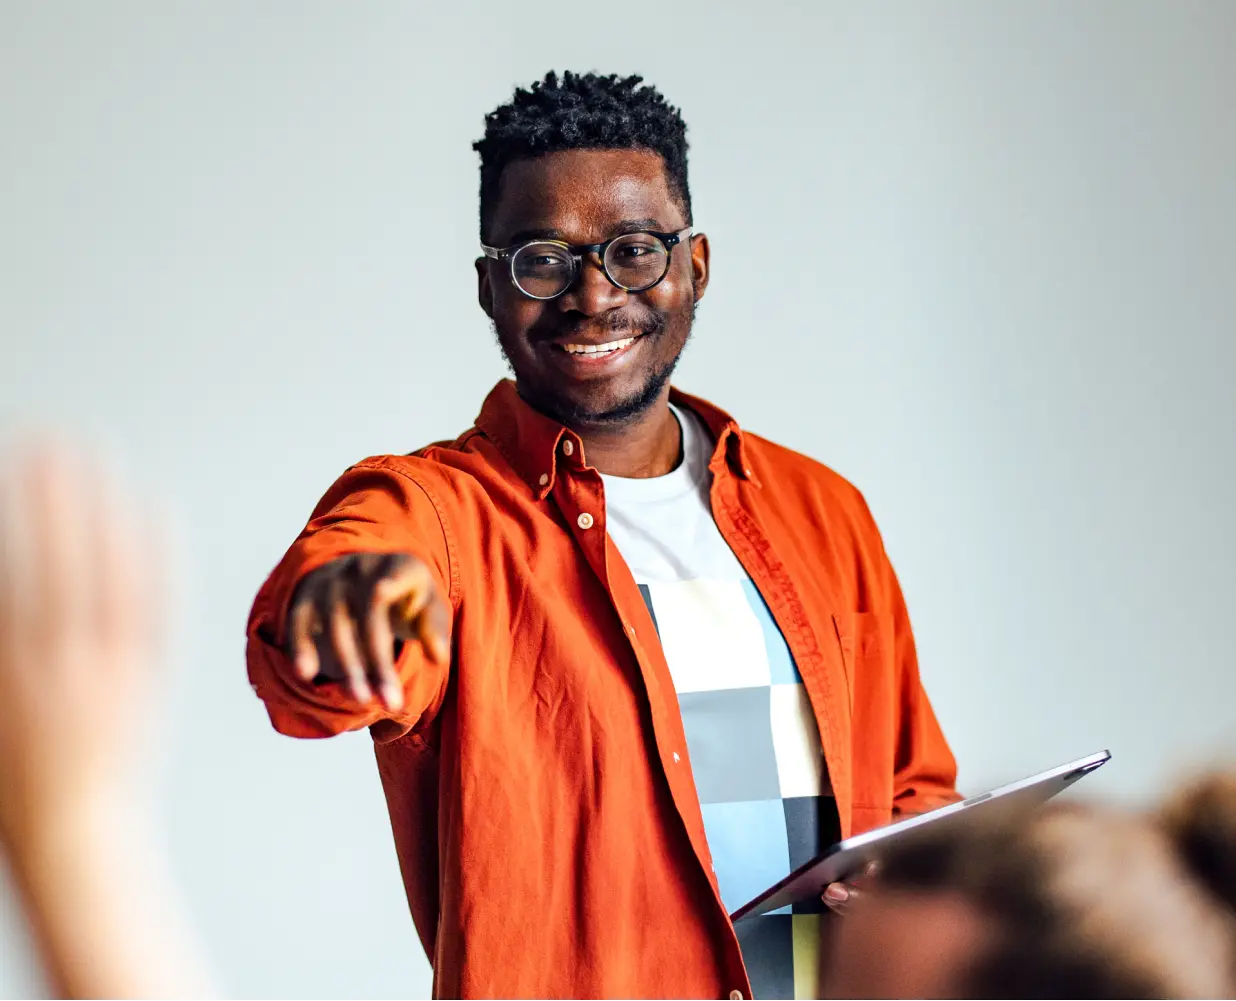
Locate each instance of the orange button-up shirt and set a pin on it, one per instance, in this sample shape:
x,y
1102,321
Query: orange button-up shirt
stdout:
x,y
540,792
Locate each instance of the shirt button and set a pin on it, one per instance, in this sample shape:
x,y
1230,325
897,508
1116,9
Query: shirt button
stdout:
x,y
584,521
568,447
544,479
735,995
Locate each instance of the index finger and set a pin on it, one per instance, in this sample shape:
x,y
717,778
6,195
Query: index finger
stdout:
x,y
301,644
380,641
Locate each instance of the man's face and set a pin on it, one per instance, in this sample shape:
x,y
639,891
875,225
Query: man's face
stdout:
x,y
583,197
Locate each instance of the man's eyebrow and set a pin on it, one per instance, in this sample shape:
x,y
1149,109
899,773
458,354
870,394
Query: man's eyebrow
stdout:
x,y
618,229
637,226
524,235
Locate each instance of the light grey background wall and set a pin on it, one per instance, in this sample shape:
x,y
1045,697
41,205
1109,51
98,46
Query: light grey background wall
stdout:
x,y
981,258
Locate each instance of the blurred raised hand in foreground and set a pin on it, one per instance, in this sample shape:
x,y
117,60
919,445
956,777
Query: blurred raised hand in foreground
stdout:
x,y
80,590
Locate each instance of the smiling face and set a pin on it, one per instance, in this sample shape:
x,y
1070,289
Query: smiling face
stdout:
x,y
596,355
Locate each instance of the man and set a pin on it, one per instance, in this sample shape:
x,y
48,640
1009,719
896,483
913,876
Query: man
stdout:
x,y
625,663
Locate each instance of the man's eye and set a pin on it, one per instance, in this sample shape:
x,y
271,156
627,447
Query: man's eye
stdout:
x,y
634,252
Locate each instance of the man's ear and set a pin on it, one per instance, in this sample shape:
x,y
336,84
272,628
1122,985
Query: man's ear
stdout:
x,y
700,258
484,290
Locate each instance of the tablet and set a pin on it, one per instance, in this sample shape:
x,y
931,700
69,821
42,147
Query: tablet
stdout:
x,y
852,855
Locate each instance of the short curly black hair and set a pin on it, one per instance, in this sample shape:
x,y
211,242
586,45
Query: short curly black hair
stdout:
x,y
582,111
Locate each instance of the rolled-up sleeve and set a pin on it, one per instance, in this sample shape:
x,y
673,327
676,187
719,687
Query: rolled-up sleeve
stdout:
x,y
373,508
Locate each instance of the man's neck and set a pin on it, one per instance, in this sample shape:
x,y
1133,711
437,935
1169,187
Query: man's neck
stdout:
x,y
647,445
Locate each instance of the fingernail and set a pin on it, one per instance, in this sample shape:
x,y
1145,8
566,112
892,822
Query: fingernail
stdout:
x,y
838,893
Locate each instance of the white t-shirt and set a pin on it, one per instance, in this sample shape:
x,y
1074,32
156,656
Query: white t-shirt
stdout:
x,y
751,734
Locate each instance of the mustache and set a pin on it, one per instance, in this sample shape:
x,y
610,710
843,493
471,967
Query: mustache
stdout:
x,y
616,321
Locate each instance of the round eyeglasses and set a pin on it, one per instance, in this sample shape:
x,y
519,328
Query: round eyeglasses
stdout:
x,y
544,269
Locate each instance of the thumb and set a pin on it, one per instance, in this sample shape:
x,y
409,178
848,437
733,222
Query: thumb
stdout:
x,y
415,588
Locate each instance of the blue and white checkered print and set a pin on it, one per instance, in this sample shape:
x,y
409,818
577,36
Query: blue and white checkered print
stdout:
x,y
757,763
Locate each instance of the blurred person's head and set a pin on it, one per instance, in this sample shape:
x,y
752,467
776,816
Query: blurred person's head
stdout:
x,y
1068,902
591,328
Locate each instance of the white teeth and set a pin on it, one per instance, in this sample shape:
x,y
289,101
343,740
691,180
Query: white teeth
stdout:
x,y
597,349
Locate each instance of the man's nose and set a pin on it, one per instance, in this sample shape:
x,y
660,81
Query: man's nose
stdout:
x,y
592,293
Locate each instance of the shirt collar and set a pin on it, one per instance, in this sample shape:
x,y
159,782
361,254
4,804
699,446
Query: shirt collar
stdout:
x,y
536,445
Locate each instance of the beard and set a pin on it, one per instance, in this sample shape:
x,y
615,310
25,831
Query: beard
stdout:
x,y
654,325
